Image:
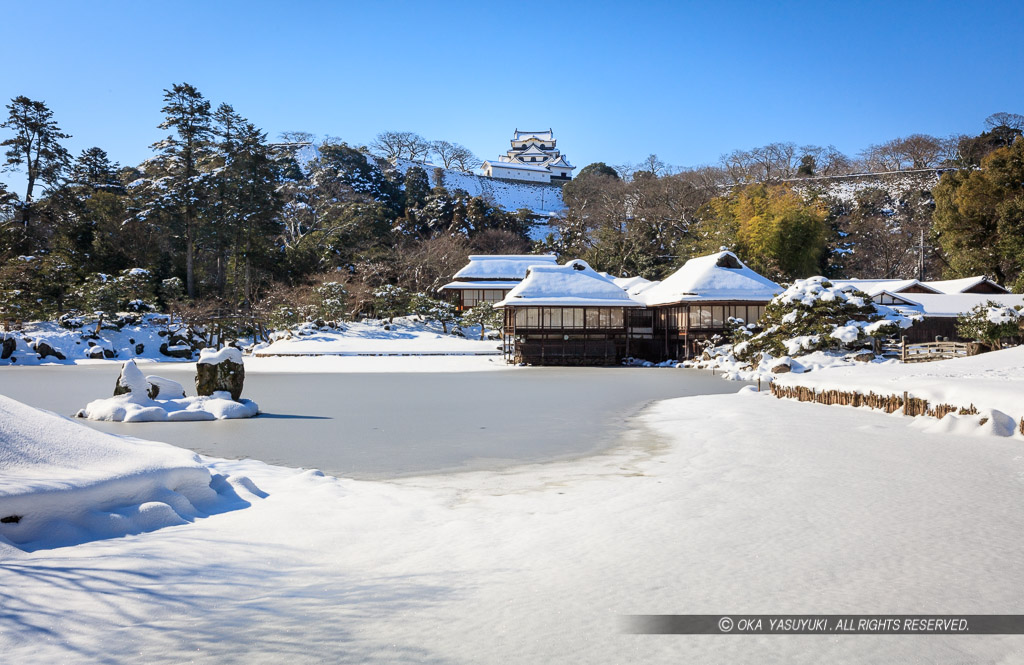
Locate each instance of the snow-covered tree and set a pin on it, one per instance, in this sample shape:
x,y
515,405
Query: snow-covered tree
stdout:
x,y
483,315
813,315
989,323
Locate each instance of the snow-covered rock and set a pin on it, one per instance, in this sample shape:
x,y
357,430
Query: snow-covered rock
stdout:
x,y
63,484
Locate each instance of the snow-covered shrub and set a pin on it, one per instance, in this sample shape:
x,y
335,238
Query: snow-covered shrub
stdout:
x,y
172,289
483,315
130,291
989,323
390,301
329,299
442,311
813,315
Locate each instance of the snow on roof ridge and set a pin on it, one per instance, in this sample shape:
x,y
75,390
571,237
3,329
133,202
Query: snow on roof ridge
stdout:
x,y
574,284
489,257
955,286
711,277
501,266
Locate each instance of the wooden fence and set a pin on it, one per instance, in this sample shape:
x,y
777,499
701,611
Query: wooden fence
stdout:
x,y
907,405
929,351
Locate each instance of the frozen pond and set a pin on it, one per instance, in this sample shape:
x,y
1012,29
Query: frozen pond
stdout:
x,y
380,425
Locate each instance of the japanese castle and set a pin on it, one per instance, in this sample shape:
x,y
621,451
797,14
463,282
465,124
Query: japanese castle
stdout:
x,y
533,158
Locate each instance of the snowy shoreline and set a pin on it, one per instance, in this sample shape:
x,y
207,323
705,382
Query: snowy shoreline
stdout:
x,y
735,513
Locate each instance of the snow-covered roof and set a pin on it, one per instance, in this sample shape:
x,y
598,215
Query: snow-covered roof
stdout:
x,y
504,284
574,284
962,285
542,136
502,266
875,286
720,276
534,151
561,161
626,283
954,304
515,165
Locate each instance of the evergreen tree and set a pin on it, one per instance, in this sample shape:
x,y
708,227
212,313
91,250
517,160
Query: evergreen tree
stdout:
x,y
34,146
94,169
188,115
979,217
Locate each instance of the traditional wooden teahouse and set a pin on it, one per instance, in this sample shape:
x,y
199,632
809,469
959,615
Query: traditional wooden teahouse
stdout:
x,y
567,315
489,277
696,302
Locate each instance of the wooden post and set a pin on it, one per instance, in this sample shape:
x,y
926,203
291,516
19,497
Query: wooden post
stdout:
x,y
903,349
904,402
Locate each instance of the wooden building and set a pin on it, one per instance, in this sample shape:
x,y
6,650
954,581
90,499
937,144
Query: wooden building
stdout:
x,y
489,277
696,302
567,315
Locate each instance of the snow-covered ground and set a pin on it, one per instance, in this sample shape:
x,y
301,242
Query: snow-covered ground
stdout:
x,y
734,503
78,345
987,381
509,195
403,336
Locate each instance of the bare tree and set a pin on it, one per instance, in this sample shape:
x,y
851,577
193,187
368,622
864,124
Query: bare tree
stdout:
x,y
455,155
400,145
921,151
297,137
464,160
445,151
1003,119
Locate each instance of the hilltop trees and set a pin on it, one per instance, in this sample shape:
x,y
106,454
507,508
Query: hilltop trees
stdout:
x,y
35,146
979,217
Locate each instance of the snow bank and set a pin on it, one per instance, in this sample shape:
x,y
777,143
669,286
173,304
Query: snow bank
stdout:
x,y
63,484
990,382
714,504
405,336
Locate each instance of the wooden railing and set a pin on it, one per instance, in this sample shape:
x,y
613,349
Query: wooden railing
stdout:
x,y
927,352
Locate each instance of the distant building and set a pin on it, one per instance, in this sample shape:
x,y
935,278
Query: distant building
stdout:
x,y
533,158
567,315
489,277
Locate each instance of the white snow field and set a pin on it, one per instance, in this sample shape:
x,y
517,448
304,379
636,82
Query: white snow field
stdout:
x,y
405,336
735,503
62,484
989,381
384,424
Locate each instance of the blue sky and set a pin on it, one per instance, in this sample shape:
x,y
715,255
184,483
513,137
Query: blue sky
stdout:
x,y
616,81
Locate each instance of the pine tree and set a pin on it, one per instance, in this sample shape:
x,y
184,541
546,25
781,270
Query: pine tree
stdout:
x,y
187,113
94,169
35,145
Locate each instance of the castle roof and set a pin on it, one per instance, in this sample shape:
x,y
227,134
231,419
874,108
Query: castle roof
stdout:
x,y
516,165
542,136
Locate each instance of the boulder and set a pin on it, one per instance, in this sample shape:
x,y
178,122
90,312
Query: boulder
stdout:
x,y
140,348
781,368
95,352
165,388
864,357
9,345
45,350
181,351
130,381
220,371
